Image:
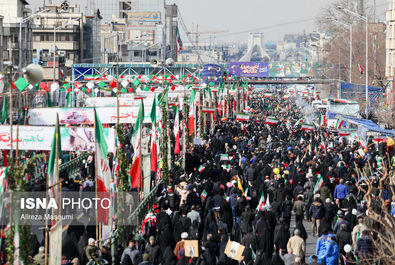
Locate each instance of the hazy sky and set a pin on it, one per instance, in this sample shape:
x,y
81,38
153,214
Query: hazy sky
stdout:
x,y
272,17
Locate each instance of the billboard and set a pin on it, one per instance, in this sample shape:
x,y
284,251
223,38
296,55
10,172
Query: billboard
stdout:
x,y
79,116
40,138
290,69
144,16
249,69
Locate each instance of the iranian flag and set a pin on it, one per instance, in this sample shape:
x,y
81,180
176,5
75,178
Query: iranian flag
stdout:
x,y
307,127
322,146
177,132
220,107
339,124
154,147
322,120
319,184
272,120
208,110
135,171
261,203
203,195
344,133
191,120
242,116
298,122
267,95
53,165
202,168
103,171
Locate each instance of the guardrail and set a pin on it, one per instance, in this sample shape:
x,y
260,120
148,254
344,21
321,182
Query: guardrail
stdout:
x,y
137,217
73,167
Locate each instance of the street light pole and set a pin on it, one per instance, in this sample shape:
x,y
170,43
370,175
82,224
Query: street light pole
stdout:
x,y
366,54
23,20
350,29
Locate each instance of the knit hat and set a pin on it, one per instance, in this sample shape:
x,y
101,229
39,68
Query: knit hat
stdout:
x,y
184,235
90,241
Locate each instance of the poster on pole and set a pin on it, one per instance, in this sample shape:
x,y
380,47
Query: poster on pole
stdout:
x,y
85,116
40,138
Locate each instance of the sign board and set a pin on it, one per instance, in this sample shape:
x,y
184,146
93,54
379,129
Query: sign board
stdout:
x,y
249,69
234,250
40,138
144,16
112,102
191,248
79,116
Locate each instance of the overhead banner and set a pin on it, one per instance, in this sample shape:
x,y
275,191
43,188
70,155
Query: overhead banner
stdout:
x,y
40,138
112,102
80,116
249,69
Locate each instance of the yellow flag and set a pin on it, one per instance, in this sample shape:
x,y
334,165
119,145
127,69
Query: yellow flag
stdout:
x,y
239,185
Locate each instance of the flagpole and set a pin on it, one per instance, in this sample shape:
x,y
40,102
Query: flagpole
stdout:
x,y
117,84
140,149
94,128
47,196
11,123
184,135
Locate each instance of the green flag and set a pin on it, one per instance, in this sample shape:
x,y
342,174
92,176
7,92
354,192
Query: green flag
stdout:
x,y
68,100
54,155
49,101
193,95
21,84
4,113
153,112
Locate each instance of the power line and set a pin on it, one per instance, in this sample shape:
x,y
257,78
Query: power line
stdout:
x,y
265,27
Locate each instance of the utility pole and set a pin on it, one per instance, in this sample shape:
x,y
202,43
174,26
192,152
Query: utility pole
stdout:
x,y
197,37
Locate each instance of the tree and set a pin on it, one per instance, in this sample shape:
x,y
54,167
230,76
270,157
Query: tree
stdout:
x,y
379,220
336,57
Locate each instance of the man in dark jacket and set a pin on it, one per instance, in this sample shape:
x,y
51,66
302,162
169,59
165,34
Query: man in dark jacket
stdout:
x,y
308,198
287,210
329,211
343,238
299,208
317,212
153,250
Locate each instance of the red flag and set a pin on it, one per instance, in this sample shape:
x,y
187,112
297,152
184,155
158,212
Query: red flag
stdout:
x,y
177,132
361,69
191,119
135,172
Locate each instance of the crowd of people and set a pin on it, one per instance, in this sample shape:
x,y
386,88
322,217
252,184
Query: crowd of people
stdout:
x,y
259,185
273,172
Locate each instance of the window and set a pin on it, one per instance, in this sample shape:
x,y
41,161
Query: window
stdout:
x,y
137,53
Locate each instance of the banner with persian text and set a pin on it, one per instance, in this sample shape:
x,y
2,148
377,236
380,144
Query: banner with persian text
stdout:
x,y
80,116
249,69
40,138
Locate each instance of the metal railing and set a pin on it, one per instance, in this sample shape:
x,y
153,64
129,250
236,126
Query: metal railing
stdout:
x,y
137,217
73,167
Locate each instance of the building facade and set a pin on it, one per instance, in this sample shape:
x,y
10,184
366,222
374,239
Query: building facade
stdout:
x,y
11,45
58,31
